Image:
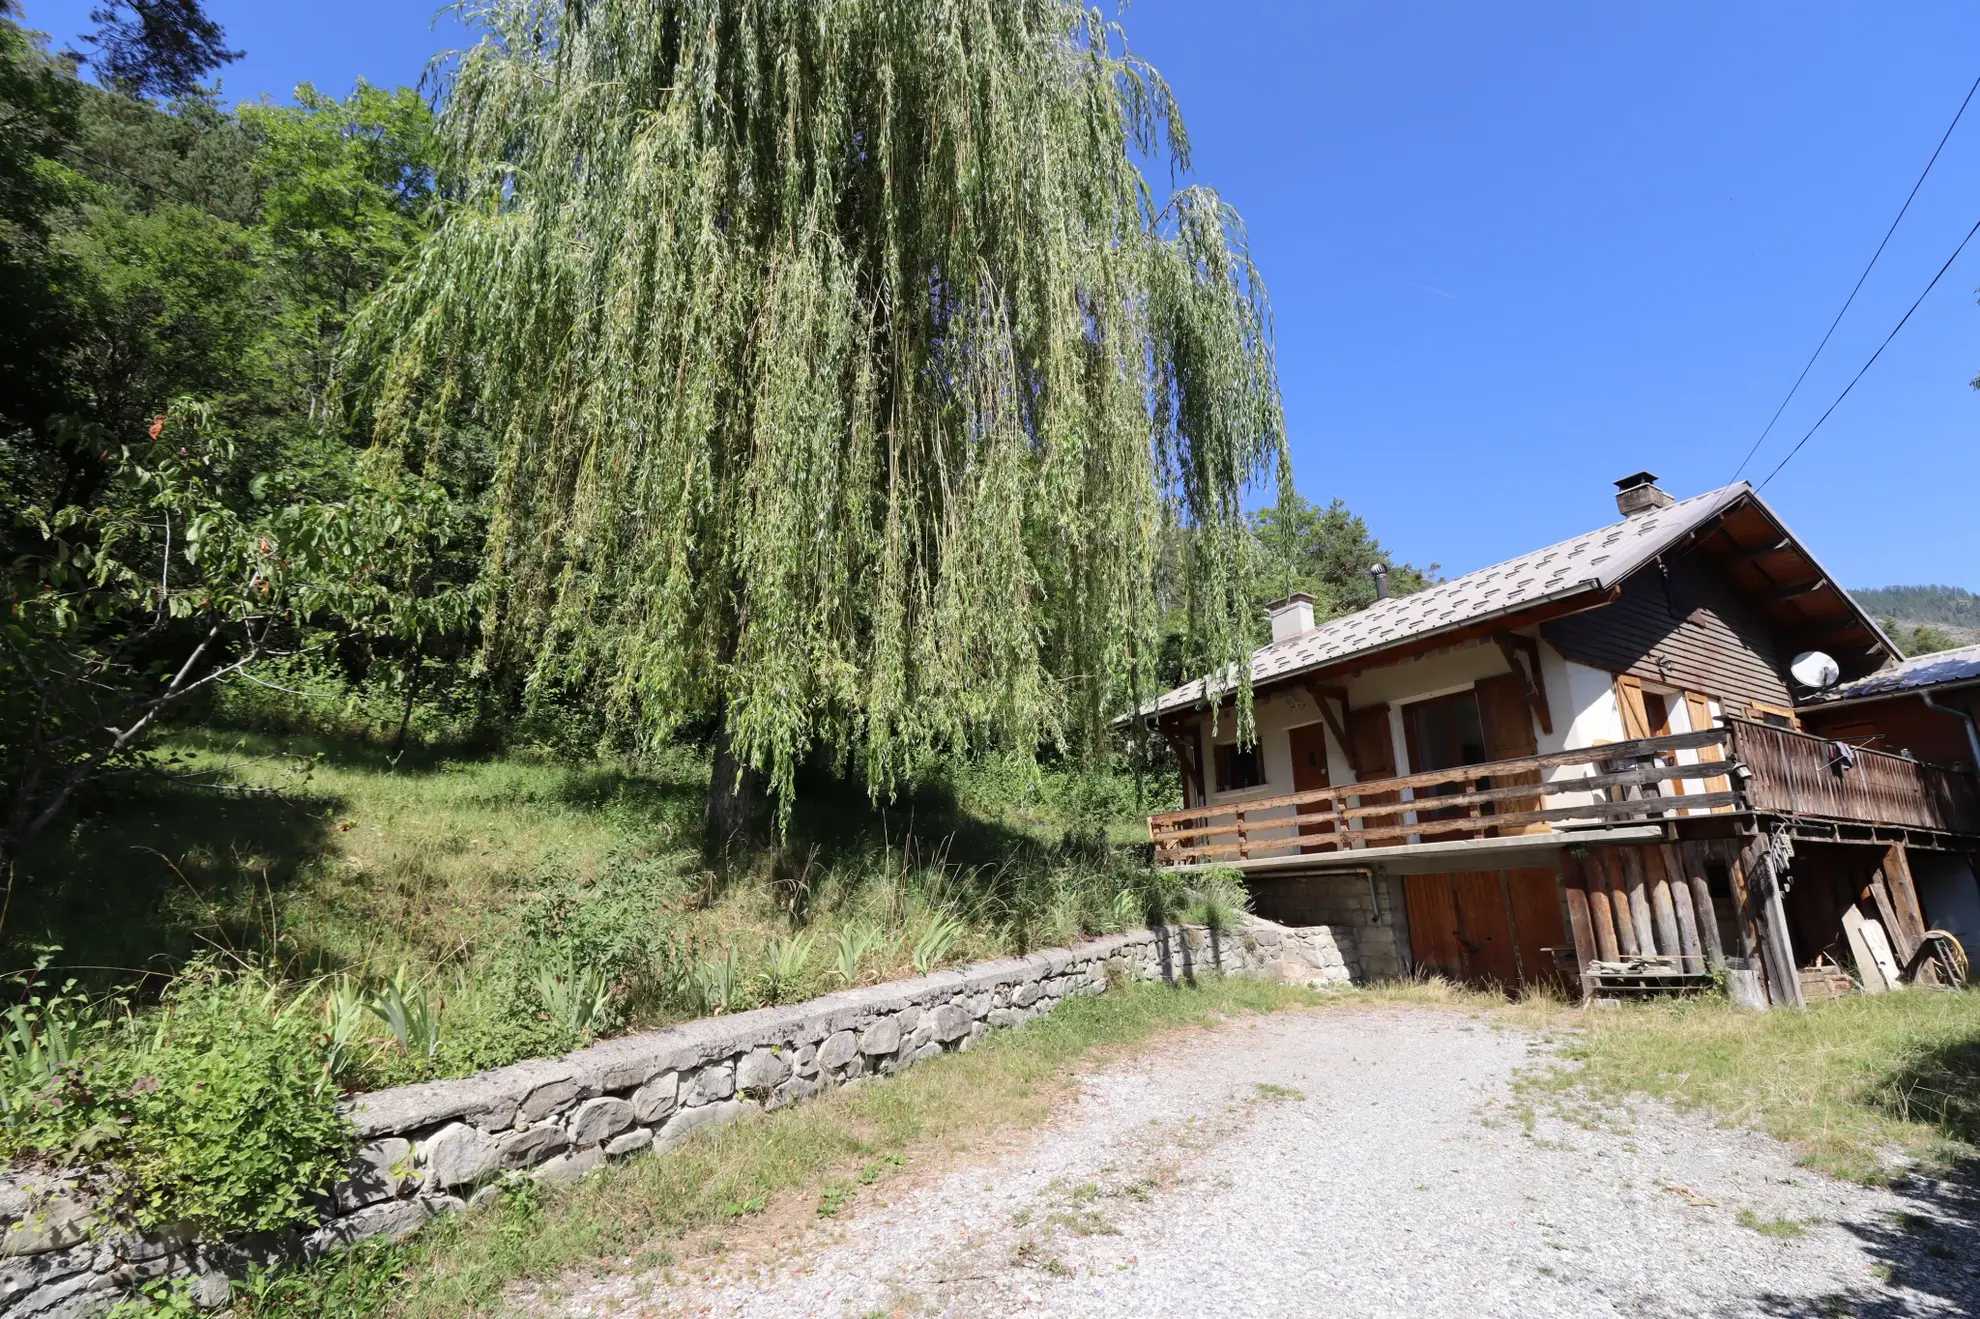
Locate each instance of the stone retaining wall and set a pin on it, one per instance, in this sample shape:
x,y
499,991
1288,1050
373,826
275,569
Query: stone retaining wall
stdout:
x,y
442,1146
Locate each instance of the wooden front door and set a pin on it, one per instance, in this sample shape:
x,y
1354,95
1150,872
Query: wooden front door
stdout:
x,y
1493,929
1309,760
1374,758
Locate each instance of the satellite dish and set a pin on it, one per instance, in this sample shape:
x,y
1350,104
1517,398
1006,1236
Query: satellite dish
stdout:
x,y
1811,668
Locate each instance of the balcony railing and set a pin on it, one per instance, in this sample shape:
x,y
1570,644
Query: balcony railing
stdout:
x,y
1793,773
1742,767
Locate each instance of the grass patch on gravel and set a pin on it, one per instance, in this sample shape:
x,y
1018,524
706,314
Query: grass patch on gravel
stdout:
x,y
825,1153
1863,1086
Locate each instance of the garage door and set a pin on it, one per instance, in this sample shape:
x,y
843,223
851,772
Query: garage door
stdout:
x,y
1487,928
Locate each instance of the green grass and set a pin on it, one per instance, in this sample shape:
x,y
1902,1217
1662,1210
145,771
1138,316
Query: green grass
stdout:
x,y
813,1159
1781,1229
1862,1085
321,854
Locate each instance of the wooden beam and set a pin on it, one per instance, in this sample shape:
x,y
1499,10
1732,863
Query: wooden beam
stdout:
x,y
1798,589
1759,552
1321,695
1512,645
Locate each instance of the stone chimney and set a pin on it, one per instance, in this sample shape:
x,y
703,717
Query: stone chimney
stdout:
x,y
1638,494
1291,617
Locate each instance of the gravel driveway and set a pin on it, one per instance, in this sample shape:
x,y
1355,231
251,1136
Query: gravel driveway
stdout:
x,y
1353,1163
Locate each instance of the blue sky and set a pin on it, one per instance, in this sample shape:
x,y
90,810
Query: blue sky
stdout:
x,y
1517,251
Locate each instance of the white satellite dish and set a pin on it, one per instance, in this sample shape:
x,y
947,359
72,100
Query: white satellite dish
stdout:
x,y
1811,668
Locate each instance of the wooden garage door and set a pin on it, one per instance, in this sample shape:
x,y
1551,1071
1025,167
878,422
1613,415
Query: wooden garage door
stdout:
x,y
1488,928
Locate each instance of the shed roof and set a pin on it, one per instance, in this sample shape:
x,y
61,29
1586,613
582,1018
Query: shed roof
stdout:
x,y
1948,666
1594,561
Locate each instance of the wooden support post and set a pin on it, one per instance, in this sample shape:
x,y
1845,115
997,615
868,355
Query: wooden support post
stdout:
x,y
1690,945
1691,859
1601,913
1602,862
1626,868
1574,884
1662,909
1321,696
1753,873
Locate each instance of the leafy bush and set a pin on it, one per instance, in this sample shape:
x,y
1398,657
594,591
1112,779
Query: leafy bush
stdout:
x,y
216,1109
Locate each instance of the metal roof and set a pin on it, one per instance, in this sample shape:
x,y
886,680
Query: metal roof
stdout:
x,y
1947,666
1598,559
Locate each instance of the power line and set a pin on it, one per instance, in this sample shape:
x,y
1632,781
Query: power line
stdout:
x,y
1944,138
1874,356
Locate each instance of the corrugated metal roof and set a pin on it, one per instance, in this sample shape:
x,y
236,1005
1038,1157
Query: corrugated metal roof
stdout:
x,y
1597,559
1961,665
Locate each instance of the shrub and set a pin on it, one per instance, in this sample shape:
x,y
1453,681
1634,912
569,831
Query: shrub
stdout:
x,y
216,1110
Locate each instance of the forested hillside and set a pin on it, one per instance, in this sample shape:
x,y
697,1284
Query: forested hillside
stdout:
x,y
1924,619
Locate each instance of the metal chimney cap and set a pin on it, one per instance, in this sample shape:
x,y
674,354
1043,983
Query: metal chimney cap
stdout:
x,y
1637,479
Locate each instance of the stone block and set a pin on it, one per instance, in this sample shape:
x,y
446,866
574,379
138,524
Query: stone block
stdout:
x,y
599,1120
458,1154
837,1050
22,1274
52,1217
376,1172
793,1090
1005,1018
761,1071
554,1097
907,1019
568,1168
713,1083
653,1101
1026,994
629,1143
690,1120
526,1149
951,1022
65,1298
394,1220
883,1036
806,1062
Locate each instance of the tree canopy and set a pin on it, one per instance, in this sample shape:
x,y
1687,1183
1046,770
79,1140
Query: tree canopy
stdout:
x,y
844,366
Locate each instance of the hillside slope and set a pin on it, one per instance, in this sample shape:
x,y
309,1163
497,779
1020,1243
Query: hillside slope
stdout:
x,y
1924,619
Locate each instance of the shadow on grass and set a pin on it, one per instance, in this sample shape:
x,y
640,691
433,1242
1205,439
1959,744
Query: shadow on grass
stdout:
x,y
1926,1247
138,879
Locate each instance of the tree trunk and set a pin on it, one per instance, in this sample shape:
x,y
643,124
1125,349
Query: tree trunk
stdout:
x,y
729,824
406,714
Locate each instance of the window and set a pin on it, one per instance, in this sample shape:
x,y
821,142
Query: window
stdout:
x,y
1444,732
1239,768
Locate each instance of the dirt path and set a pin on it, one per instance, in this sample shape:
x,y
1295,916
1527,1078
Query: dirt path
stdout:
x,y
1348,1163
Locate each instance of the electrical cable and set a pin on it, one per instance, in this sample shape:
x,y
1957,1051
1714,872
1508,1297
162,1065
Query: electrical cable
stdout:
x,y
1809,365
1874,356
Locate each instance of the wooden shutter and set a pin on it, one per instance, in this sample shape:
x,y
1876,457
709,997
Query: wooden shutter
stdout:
x,y
1508,725
1629,700
1375,754
1700,709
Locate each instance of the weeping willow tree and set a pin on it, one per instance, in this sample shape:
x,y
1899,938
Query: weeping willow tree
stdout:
x,y
846,371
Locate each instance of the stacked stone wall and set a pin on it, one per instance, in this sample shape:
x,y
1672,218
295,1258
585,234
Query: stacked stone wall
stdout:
x,y
444,1146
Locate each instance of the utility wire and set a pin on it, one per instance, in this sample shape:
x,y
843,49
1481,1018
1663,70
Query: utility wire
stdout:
x,y
1874,356
1944,138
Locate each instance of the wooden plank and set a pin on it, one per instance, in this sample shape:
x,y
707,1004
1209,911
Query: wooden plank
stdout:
x,y
1869,973
1904,893
1629,700
1574,890
1689,940
1887,914
1776,944
1700,710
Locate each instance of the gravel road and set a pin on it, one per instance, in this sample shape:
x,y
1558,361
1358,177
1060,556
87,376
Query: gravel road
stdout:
x,y
1347,1162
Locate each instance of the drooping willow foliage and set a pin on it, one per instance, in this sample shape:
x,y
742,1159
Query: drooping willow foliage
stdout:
x,y
846,371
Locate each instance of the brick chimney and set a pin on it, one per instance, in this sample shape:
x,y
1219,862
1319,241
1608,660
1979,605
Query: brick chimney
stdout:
x,y
1291,617
1638,494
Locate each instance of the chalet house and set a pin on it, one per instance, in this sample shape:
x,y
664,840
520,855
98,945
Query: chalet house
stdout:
x,y
1597,765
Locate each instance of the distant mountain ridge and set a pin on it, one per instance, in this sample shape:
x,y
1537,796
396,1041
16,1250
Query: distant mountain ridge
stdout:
x,y
1923,619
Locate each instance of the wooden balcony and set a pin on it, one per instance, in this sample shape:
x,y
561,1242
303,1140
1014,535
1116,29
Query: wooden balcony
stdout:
x,y
1744,767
